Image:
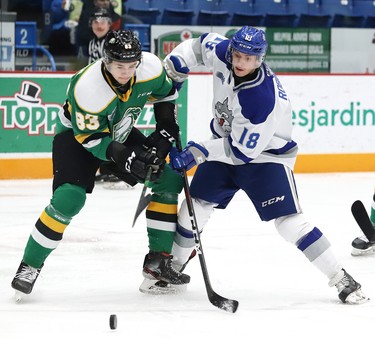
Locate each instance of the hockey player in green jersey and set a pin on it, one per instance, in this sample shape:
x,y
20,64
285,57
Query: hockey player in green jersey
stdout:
x,y
96,124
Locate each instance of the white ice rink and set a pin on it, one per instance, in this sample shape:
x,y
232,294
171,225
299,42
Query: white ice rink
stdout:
x,y
96,270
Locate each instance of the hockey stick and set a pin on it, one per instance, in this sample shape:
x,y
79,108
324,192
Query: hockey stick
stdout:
x,y
225,304
144,199
361,216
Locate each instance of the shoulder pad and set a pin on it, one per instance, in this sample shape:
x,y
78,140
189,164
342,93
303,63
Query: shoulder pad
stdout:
x,y
212,37
91,92
150,67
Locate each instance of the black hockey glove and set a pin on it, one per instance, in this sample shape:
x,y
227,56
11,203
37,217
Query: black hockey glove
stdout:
x,y
167,129
162,141
136,160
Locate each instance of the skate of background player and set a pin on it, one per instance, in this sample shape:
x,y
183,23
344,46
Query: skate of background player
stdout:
x,y
363,220
96,272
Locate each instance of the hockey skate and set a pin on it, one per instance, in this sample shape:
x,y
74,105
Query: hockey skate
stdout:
x,y
24,280
111,182
362,246
116,185
158,265
349,290
160,275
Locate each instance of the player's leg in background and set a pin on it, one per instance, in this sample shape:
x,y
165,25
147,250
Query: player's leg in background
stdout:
x,y
364,245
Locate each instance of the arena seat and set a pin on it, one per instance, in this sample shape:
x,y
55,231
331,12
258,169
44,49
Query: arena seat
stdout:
x,y
280,20
363,7
369,22
249,19
174,16
212,18
314,20
146,15
354,21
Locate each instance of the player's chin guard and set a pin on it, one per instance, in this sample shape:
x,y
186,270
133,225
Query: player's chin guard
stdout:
x,y
122,46
248,40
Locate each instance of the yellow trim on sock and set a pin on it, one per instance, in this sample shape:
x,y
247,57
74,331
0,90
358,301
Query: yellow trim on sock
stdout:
x,y
52,223
162,208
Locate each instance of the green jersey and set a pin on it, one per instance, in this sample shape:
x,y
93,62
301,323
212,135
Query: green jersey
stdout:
x,y
98,113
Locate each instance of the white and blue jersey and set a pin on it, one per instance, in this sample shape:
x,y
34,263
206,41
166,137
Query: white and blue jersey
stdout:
x,y
251,121
251,150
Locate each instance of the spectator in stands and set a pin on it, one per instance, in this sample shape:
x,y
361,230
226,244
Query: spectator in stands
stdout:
x,y
84,33
59,14
100,23
61,41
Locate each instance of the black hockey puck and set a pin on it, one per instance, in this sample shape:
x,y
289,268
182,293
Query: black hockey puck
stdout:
x,y
113,321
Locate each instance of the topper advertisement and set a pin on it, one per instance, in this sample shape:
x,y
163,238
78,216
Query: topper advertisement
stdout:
x,y
29,106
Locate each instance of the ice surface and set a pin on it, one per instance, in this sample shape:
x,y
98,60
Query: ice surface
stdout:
x,y
96,270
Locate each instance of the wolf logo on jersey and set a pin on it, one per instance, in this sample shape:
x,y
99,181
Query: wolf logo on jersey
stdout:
x,y
224,115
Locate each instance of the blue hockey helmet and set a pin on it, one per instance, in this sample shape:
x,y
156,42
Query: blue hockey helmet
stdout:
x,y
248,40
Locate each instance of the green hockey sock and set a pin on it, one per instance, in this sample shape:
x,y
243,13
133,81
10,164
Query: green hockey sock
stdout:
x,y
35,254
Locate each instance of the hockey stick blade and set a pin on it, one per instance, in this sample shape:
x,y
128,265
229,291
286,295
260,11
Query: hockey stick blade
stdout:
x,y
224,304
142,204
144,199
361,216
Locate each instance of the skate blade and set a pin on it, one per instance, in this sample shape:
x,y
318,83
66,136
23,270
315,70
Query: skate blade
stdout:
x,y
19,296
358,253
158,287
120,185
357,298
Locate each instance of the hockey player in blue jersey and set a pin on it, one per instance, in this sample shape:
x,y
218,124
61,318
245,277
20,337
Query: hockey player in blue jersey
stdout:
x,y
251,149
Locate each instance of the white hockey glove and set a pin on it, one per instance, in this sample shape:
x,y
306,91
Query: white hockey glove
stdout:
x,y
176,70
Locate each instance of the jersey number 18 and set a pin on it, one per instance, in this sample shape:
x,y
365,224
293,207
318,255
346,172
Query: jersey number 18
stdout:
x,y
249,140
